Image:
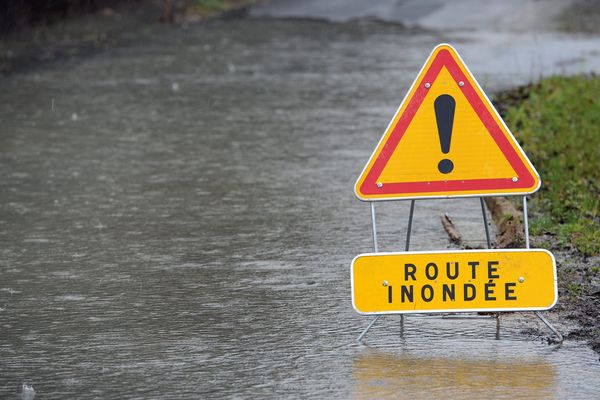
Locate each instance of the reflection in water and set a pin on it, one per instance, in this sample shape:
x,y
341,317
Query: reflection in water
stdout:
x,y
381,375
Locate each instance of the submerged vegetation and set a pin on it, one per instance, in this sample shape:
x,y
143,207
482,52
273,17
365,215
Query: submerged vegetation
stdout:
x,y
558,123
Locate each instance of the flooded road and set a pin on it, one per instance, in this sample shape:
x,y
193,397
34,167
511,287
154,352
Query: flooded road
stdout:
x,y
177,221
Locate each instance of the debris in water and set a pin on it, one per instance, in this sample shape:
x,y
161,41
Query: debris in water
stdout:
x,y
28,392
454,235
74,117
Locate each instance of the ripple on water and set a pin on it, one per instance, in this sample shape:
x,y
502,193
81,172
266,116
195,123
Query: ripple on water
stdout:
x,y
211,228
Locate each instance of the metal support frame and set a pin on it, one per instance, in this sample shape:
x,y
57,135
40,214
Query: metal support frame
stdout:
x,y
489,245
462,316
410,218
559,336
525,222
376,249
374,227
485,223
498,326
367,328
537,313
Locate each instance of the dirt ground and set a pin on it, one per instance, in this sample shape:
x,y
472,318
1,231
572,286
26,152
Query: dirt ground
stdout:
x,y
582,16
82,32
75,36
579,294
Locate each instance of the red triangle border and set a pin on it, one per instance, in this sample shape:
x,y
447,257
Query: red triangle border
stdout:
x,y
444,59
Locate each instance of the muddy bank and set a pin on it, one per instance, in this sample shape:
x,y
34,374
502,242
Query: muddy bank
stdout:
x,y
581,16
85,28
16,15
579,293
88,31
577,312
578,307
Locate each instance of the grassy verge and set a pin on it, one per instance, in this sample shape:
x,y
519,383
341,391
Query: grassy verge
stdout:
x,y
558,123
208,8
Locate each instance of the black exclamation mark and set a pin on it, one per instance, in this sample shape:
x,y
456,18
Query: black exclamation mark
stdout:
x,y
444,114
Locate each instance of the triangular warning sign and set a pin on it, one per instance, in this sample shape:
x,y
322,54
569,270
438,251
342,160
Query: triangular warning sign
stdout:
x,y
446,140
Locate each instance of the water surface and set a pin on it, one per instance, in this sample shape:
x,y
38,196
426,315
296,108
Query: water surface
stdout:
x,y
177,221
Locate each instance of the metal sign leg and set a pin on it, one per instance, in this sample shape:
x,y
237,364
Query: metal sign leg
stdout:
x,y
485,223
498,326
410,219
525,222
407,246
375,249
537,313
489,246
401,325
367,328
374,227
550,326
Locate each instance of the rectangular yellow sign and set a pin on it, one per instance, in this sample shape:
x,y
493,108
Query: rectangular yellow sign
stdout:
x,y
454,281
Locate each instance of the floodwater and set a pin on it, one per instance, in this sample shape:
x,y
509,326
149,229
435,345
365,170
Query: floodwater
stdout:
x,y
178,219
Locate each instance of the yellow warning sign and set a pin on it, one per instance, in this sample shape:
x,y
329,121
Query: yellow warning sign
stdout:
x,y
446,140
454,281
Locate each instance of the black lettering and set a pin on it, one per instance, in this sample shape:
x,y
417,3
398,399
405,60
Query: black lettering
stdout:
x,y
489,291
448,291
427,298
435,271
473,265
492,267
470,297
409,271
406,291
508,291
389,294
452,276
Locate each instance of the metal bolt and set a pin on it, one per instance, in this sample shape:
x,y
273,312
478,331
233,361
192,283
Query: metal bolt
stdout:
x,y
515,179
521,279
461,84
385,283
427,85
379,184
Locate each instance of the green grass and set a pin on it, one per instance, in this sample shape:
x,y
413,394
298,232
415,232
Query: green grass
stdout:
x,y
212,5
574,288
558,124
